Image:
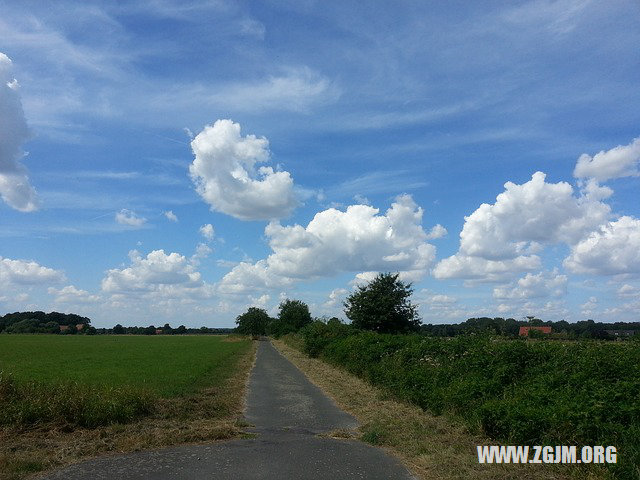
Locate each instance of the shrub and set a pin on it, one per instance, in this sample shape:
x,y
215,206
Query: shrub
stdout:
x,y
515,391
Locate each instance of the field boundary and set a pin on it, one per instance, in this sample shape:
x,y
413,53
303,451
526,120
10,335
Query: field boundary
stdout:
x,y
432,447
214,413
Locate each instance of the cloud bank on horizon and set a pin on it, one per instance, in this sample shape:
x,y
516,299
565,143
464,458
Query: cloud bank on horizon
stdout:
x,y
474,152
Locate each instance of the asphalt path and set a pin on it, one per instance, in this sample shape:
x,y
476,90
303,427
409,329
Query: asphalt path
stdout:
x,y
289,415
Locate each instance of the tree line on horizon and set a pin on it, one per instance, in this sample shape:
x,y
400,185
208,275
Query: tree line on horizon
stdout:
x,y
384,306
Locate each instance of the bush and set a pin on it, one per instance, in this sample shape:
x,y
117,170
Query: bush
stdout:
x,y
318,335
517,392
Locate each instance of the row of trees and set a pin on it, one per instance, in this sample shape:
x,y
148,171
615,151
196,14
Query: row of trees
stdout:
x,y
292,316
510,327
41,322
164,330
383,306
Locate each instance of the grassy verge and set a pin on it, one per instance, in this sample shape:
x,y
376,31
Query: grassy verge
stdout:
x,y
432,447
46,425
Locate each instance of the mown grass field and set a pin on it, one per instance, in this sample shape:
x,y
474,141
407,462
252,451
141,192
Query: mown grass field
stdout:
x,y
164,365
63,398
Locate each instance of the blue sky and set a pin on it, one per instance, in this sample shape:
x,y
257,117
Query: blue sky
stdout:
x,y
181,161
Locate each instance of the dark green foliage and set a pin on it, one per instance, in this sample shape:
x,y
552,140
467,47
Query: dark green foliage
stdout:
x,y
293,315
318,335
253,322
510,327
41,322
516,391
383,306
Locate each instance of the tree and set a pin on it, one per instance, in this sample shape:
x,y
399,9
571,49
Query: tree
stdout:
x,y
383,306
253,322
293,315
118,330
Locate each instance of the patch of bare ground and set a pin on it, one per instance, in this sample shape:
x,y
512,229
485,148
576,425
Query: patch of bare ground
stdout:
x,y
212,414
432,447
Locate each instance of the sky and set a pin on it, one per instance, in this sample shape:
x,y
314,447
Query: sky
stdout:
x,y
178,162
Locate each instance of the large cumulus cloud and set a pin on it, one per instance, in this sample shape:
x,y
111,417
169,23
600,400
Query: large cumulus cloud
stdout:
x,y
358,239
224,172
157,272
613,249
503,238
15,188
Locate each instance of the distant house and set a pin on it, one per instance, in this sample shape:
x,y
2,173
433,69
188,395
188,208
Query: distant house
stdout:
x,y
159,331
80,327
64,328
524,331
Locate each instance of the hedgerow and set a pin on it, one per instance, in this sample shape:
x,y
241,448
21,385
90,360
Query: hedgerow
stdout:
x,y
515,391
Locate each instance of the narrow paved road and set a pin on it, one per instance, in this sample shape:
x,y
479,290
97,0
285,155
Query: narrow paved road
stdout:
x,y
288,413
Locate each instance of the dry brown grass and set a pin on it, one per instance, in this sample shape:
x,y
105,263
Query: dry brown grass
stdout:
x,y
432,447
212,414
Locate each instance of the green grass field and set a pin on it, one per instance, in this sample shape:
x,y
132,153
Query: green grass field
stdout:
x,y
98,380
165,365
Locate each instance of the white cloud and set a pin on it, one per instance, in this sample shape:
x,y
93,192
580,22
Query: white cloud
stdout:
x,y
363,278
151,273
207,231
526,215
438,231
15,188
626,291
506,235
588,309
225,176
295,89
534,286
611,250
170,216
202,251
358,239
24,272
621,161
361,199
71,294
480,269
336,297
127,217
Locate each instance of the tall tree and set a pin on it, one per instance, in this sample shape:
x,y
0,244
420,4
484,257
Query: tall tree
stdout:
x,y
253,322
293,315
383,306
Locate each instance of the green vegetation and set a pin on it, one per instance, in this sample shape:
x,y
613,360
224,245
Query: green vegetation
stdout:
x,y
91,381
519,392
584,329
383,306
292,316
40,322
253,322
